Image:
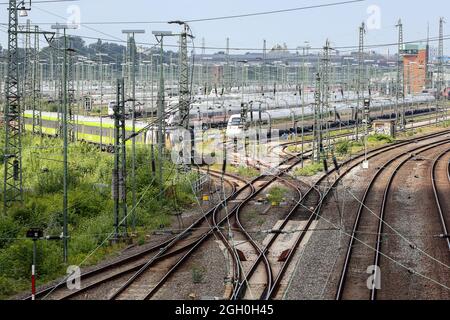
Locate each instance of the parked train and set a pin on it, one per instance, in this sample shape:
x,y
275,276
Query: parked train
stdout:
x,y
235,126
92,129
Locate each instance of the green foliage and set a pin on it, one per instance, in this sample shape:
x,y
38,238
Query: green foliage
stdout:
x,y
7,286
343,147
380,138
8,229
90,219
346,147
141,240
309,171
276,194
248,172
198,273
445,124
243,171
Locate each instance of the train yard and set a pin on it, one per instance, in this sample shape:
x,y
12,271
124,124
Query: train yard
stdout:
x,y
166,170
379,227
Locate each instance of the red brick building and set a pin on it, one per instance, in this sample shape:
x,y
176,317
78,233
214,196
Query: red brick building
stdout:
x,y
415,59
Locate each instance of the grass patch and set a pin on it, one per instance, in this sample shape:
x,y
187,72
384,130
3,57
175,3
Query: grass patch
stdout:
x,y
309,171
383,138
445,124
245,172
198,274
346,147
277,195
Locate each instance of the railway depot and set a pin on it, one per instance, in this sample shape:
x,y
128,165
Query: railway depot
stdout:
x,y
143,160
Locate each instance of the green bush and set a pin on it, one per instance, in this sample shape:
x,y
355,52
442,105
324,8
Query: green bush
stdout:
x,y
6,286
445,124
343,147
90,218
8,229
276,194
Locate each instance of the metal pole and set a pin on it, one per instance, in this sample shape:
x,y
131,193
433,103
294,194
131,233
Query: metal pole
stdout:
x,y
441,83
36,85
123,159
65,152
115,177
303,126
33,272
400,94
12,191
101,101
161,117
133,130
360,77
119,172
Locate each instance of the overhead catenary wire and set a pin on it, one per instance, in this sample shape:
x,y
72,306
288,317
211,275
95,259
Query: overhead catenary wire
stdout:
x,y
111,234
232,17
337,47
227,17
381,253
319,216
45,1
402,236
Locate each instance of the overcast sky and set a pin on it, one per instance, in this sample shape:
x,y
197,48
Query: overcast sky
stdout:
x,y
339,24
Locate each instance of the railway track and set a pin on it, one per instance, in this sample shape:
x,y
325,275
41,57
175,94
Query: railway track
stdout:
x,y
311,199
440,179
134,263
313,211
414,258
240,292
98,276
286,145
161,251
368,227
348,166
217,223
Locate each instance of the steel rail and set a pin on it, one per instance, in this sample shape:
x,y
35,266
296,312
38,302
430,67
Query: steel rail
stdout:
x,y
436,194
344,272
138,255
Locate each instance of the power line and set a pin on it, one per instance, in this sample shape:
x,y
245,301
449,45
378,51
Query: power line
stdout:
x,y
372,46
349,48
44,1
245,15
275,11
